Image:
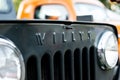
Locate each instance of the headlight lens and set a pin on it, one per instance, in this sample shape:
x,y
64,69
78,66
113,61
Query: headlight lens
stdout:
x,y
108,50
11,61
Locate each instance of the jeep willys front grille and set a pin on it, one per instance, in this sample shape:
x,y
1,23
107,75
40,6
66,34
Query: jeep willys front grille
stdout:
x,y
70,65
58,50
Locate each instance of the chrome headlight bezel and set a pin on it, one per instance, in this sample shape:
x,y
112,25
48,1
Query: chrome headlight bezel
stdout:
x,y
9,44
108,50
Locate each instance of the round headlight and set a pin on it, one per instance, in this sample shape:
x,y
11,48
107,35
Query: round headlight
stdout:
x,y
108,50
11,61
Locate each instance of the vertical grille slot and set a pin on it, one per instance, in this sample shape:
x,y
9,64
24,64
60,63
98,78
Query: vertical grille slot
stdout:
x,y
68,65
85,66
45,67
58,66
32,69
77,65
92,62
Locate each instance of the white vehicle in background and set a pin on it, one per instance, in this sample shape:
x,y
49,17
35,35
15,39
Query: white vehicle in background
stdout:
x,y
96,9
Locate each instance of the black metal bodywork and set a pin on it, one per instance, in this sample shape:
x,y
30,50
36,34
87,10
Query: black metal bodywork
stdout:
x,y
58,50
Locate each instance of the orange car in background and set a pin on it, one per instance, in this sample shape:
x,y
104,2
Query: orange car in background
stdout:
x,y
46,9
98,12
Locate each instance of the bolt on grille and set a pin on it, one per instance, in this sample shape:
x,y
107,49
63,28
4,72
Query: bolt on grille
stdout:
x,y
78,65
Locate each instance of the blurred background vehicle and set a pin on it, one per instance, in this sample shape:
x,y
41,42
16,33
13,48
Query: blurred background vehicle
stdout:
x,y
46,9
7,10
96,9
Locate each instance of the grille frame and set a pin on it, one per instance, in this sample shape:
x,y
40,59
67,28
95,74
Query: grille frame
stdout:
x,y
36,38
